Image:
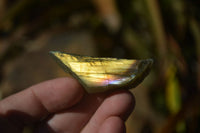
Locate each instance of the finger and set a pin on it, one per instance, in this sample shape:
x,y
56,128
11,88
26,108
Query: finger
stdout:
x,y
75,118
113,124
118,104
42,99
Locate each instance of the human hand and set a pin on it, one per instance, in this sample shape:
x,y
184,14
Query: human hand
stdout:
x,y
62,106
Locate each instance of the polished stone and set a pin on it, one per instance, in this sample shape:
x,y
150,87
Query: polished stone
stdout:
x,y
103,74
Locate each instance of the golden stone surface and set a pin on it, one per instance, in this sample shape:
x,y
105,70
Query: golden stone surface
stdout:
x,y
102,74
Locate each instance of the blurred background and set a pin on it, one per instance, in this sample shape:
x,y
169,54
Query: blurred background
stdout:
x,y
168,101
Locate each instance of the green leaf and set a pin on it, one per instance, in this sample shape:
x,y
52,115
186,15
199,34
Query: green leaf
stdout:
x,y
173,93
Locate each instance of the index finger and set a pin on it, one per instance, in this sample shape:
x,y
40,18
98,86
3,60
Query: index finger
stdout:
x,y
39,100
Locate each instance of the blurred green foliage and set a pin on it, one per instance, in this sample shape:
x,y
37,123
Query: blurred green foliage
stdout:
x,y
166,30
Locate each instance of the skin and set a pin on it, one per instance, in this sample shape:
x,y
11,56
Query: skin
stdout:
x,y
62,106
